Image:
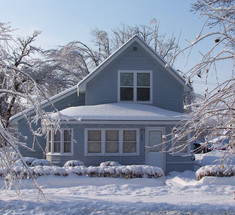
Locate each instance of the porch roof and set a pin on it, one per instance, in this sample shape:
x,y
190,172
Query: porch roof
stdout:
x,y
118,111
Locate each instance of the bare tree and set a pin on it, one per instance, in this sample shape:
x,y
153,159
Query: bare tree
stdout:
x,y
218,105
16,84
67,65
165,46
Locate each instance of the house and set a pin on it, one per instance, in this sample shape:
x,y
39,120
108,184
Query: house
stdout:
x,y
119,111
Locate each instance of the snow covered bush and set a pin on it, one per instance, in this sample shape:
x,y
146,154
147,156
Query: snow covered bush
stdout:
x,y
73,163
78,170
40,162
27,160
215,170
127,172
110,163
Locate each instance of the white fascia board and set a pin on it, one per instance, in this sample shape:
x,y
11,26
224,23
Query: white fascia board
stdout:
x,y
170,69
121,122
14,119
110,59
119,51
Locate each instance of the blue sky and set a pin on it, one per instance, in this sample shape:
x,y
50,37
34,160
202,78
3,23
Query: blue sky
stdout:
x,y
62,21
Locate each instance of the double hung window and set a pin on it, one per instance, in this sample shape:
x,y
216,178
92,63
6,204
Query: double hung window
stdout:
x,y
60,141
181,146
135,86
111,142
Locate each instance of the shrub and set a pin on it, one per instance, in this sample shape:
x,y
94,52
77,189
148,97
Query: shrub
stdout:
x,y
73,163
40,162
128,172
109,163
215,170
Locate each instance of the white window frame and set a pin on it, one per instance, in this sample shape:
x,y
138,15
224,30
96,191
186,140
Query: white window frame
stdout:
x,y
180,153
103,142
61,153
135,85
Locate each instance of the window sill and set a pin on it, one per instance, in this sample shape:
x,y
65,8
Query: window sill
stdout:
x,y
60,154
136,102
111,154
180,154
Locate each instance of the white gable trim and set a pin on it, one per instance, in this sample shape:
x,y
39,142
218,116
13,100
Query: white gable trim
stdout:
x,y
121,122
118,52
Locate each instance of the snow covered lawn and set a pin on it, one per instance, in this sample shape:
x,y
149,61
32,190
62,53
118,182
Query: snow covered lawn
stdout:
x,y
181,194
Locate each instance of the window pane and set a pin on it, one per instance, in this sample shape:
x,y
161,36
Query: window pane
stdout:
x,y
56,146
112,147
57,136
143,79
94,147
184,138
180,147
112,135
49,146
67,147
94,135
155,141
143,94
126,94
67,135
129,147
49,135
129,135
126,79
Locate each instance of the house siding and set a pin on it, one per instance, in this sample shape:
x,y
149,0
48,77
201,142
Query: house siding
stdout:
x,y
36,145
102,88
79,153
167,91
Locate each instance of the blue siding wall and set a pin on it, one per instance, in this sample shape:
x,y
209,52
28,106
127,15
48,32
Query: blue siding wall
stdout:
x,y
79,153
167,91
177,162
173,163
39,143
167,94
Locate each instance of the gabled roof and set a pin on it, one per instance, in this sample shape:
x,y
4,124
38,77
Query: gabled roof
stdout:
x,y
82,84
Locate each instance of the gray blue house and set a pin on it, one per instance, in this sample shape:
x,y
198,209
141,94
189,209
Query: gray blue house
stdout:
x,y
118,112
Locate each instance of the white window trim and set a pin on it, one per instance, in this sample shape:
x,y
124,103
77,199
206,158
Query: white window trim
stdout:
x,y
181,153
135,85
61,153
120,153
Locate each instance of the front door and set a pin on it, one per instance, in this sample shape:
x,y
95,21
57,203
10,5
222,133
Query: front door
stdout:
x,y
155,155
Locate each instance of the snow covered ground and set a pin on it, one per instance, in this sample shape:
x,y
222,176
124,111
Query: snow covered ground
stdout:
x,y
180,194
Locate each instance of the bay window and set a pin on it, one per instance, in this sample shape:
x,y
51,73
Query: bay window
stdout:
x,y
60,141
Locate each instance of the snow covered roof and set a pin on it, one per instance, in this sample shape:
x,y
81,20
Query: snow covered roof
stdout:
x,y
118,111
81,86
44,103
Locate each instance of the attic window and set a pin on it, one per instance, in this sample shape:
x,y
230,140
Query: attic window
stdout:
x,y
134,49
135,86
